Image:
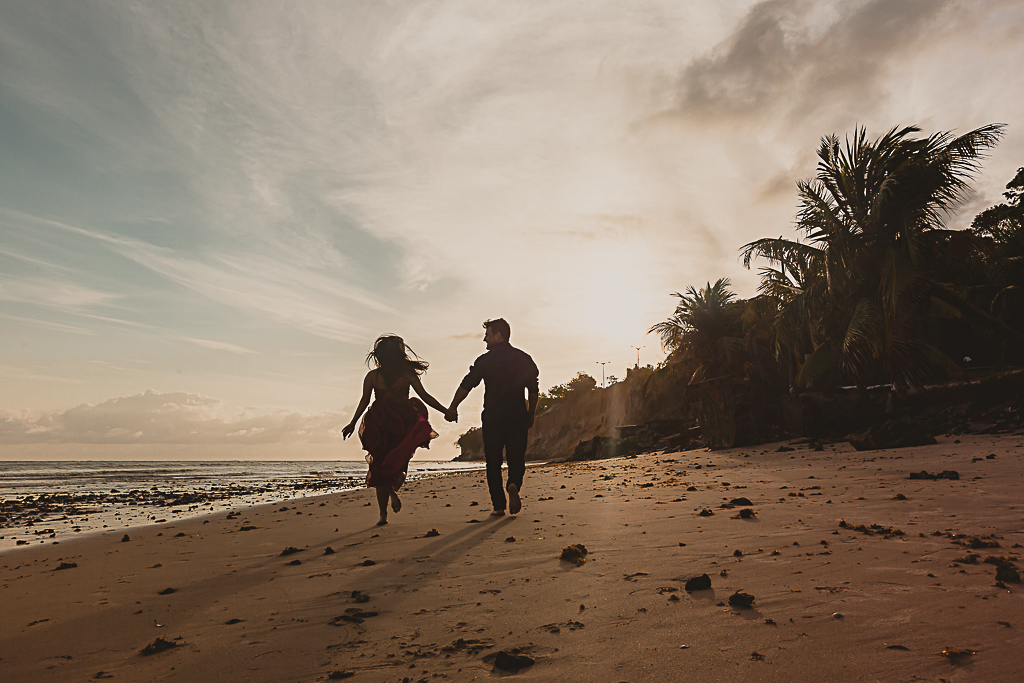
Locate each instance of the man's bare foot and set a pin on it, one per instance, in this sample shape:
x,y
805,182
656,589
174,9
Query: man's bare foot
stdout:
x,y
382,521
514,503
498,513
396,502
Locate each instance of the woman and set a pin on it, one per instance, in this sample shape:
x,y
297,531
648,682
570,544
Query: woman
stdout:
x,y
396,425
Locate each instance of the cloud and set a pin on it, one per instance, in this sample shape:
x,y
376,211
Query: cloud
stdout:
x,y
219,346
170,418
796,57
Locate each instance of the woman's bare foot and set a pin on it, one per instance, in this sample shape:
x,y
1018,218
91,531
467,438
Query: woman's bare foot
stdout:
x,y
396,502
498,513
382,521
514,502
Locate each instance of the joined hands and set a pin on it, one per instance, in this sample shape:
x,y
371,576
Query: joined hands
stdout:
x,y
452,415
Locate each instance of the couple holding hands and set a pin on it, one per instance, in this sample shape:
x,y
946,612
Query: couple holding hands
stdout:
x,y
396,424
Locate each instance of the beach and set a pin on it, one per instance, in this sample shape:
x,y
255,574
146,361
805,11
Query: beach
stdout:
x,y
857,573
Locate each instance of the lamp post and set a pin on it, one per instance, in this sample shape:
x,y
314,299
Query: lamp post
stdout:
x,y
637,353
602,370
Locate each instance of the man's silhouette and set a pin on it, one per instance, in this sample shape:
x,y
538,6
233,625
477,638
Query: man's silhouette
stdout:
x,y
507,416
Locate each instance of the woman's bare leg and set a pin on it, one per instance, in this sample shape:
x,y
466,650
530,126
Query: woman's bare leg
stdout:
x,y
396,502
383,493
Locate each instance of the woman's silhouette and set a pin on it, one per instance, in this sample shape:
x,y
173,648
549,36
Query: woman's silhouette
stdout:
x,y
395,425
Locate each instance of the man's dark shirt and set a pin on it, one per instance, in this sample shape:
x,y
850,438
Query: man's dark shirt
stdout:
x,y
506,372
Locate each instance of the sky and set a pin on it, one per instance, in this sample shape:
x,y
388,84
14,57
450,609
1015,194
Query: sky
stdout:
x,y
209,211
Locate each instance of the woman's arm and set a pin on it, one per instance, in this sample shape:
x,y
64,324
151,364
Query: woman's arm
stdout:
x,y
363,402
427,398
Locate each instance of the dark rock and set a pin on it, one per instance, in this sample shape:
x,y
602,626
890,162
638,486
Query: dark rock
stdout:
x,y
231,622
328,550
784,449
891,434
166,591
125,538
290,550
1007,573
368,563
66,565
740,501
295,563
338,674
741,600
508,661
158,645
698,583
747,513
432,533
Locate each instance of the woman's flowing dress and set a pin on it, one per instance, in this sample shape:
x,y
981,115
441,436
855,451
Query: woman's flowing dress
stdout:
x,y
393,428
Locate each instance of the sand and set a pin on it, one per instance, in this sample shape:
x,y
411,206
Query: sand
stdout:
x,y
449,587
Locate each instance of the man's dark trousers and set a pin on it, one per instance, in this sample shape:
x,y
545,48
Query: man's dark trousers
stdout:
x,y
504,432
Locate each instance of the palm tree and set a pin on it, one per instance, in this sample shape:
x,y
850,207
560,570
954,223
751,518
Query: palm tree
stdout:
x,y
704,330
854,292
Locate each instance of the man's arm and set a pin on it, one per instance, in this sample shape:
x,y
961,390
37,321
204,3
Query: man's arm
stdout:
x,y
452,415
531,394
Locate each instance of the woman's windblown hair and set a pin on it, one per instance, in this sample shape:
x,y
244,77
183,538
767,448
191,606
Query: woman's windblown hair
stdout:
x,y
391,355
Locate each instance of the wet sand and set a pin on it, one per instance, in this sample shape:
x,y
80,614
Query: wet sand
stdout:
x,y
442,590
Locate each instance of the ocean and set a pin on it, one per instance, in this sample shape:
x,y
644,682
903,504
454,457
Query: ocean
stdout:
x,y
43,502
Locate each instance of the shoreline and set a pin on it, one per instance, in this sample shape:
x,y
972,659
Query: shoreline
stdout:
x,y
443,588
33,518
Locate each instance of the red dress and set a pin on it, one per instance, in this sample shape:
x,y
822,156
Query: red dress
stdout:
x,y
394,427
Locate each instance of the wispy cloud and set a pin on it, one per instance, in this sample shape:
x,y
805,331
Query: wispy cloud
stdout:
x,y
219,346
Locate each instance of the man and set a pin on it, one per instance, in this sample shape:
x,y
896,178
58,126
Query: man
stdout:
x,y
507,416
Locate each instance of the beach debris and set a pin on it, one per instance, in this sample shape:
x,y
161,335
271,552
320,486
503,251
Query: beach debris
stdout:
x,y
784,449
755,655
290,550
976,542
510,539
884,531
673,598
1005,623
697,583
125,538
470,646
511,660
338,674
473,503
746,513
66,565
737,553
167,591
684,647
353,615
247,528
945,474
904,648
768,621
432,533
899,496
1006,570
158,645
103,674
575,553
705,513
232,622
837,615
633,577
360,596
295,563
367,563
740,501
741,600
956,654
328,550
